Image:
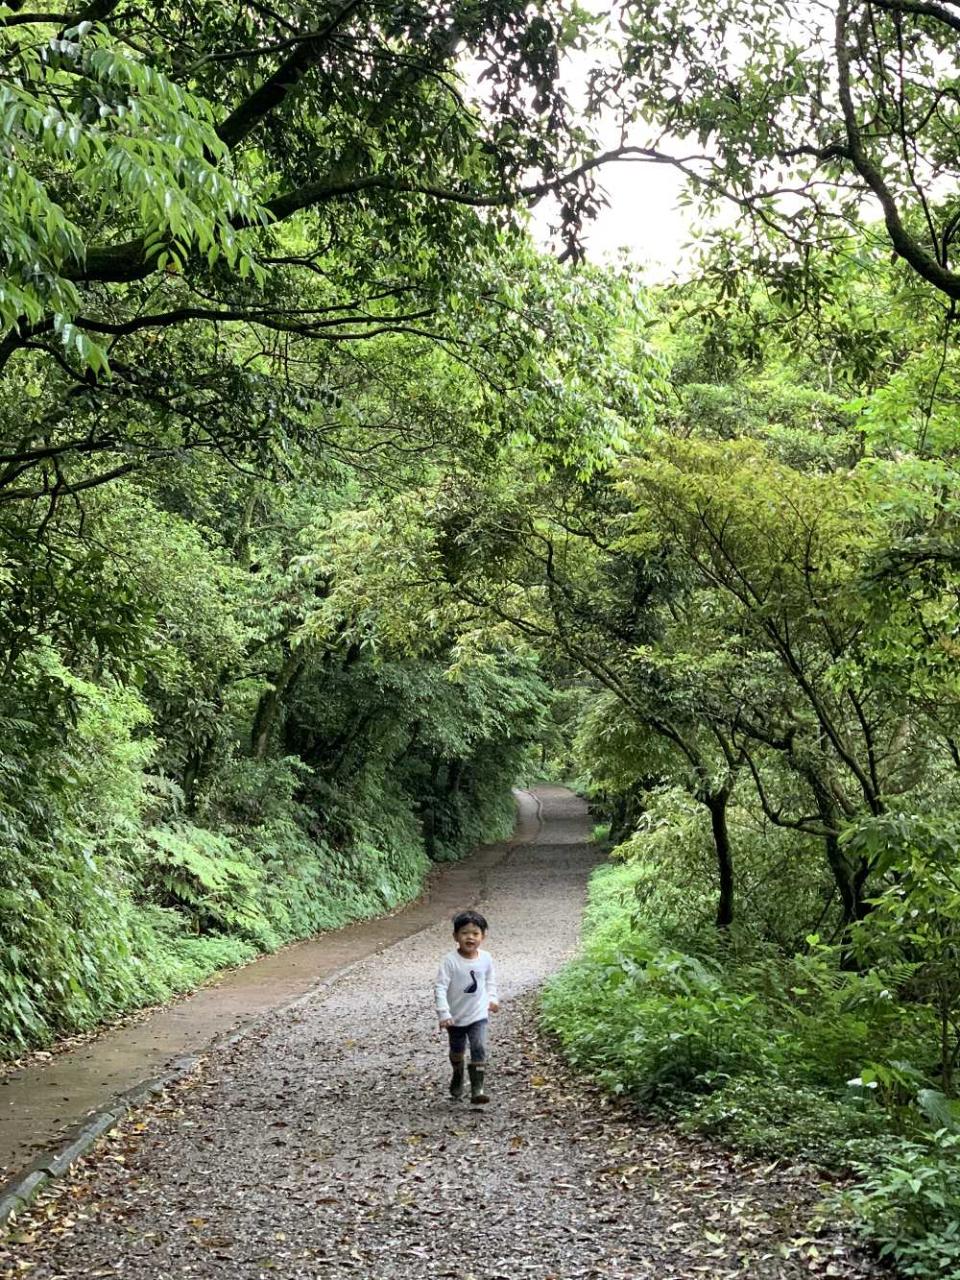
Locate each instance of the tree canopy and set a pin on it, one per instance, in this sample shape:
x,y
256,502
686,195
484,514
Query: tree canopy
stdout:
x,y
332,505
811,120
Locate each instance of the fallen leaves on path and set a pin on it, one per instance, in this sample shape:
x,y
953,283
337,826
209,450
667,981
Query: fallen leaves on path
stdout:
x,y
325,1145
594,1191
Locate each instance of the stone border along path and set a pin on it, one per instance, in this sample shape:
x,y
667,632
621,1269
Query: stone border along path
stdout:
x,y
323,1144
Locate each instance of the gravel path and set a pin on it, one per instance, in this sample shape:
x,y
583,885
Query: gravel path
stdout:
x,y
49,1095
324,1144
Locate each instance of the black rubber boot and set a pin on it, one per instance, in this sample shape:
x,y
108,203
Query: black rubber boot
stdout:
x,y
456,1081
477,1092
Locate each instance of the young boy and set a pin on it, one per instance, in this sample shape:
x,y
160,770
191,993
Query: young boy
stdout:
x,y
466,990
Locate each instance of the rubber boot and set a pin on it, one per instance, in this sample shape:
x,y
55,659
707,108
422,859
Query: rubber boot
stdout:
x,y
456,1080
477,1092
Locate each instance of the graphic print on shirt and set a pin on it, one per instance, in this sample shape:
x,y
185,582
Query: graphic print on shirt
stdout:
x,y
468,991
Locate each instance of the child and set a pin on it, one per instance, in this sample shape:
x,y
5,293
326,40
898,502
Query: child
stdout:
x,y
466,990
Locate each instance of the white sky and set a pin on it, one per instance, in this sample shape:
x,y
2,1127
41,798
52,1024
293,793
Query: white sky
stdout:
x,y
643,218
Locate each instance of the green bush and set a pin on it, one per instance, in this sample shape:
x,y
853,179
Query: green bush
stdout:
x,y
768,1116
111,897
68,809
200,873
688,1012
908,1201
778,1054
168,957
653,1022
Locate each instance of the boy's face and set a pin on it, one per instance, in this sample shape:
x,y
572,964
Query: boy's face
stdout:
x,y
468,939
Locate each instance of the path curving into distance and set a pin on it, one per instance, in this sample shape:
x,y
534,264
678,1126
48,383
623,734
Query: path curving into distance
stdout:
x,y
323,1144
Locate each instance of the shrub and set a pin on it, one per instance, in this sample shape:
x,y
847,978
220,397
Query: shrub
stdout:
x,y
202,874
908,1201
779,1054
67,808
644,1018
768,1116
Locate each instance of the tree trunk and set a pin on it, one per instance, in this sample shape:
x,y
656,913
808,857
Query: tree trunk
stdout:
x,y
850,880
269,704
717,802
193,767
454,777
850,883
241,546
844,880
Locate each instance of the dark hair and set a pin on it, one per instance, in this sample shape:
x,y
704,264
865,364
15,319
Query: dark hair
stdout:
x,y
463,918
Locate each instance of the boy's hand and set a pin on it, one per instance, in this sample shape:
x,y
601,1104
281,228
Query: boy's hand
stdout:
x,y
446,1022
494,1006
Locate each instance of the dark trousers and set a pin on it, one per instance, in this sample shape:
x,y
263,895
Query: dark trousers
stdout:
x,y
475,1034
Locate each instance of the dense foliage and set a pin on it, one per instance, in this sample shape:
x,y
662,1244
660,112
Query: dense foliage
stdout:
x,y
329,507
261,277
233,714
772,737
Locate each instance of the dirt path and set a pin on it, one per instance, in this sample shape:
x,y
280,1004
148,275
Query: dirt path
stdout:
x,y
323,1144
47,1098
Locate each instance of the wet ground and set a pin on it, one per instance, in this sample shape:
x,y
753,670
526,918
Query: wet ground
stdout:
x,y
51,1093
324,1144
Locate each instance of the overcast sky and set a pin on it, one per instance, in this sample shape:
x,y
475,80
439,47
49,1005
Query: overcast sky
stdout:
x,y
643,218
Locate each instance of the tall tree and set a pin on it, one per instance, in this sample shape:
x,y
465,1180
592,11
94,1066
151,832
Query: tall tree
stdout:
x,y
311,176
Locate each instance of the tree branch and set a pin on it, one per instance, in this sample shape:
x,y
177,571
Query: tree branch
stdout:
x,y
776,815
25,19
920,9
128,262
22,495
244,118
924,263
269,319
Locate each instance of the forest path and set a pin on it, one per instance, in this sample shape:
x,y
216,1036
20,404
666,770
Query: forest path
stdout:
x,y
52,1094
323,1143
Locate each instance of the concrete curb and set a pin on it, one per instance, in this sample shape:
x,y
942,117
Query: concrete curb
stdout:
x,y
17,1193
539,803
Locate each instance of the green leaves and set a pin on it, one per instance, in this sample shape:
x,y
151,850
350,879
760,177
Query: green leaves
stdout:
x,y
85,125
76,343
201,872
908,1202
943,1112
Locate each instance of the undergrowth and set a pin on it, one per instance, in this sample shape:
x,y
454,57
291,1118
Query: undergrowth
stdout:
x,y
777,1054
116,893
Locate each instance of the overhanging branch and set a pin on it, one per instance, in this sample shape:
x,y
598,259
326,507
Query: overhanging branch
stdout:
x,y
920,9
268,96
924,263
128,262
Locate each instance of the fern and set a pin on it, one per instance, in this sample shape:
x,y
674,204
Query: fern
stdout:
x,y
200,872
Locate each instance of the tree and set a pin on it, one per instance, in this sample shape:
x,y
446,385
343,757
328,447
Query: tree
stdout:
x,y
807,119
311,178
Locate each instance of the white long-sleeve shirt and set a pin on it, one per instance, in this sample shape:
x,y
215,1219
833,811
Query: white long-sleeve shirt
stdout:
x,y
464,988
